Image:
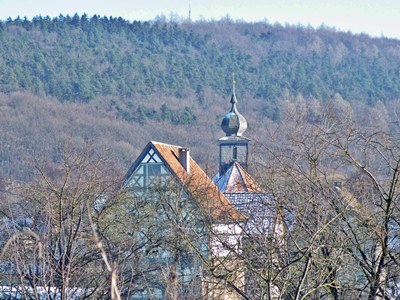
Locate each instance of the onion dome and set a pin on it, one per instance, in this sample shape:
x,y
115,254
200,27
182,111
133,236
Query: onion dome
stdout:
x,y
234,124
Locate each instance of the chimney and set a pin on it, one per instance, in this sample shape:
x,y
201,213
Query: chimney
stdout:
x,y
184,158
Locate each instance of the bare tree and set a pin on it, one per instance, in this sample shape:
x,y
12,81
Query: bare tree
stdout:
x,y
52,248
338,183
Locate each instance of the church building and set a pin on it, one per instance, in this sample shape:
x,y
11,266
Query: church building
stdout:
x,y
203,220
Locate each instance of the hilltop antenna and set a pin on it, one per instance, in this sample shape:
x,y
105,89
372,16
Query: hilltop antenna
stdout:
x,y
190,12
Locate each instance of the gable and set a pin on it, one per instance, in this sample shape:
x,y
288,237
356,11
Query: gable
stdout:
x,y
149,171
160,162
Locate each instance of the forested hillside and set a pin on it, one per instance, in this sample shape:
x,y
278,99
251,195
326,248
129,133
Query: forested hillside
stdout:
x,y
79,58
123,83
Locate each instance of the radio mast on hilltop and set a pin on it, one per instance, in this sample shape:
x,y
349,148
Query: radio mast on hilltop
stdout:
x,y
190,12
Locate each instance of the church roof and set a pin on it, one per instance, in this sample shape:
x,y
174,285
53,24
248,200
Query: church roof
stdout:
x,y
258,207
237,180
196,182
248,197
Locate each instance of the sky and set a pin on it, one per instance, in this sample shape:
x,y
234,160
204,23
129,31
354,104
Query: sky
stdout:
x,y
374,17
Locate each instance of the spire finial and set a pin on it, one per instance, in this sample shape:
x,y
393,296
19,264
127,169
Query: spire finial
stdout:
x,y
233,99
233,83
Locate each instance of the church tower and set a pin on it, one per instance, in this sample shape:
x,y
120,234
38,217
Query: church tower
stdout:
x,y
233,147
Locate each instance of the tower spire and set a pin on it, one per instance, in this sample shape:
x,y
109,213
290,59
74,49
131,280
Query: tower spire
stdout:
x,y
233,98
233,124
233,146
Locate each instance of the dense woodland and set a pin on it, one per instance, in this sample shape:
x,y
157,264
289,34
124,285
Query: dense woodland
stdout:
x,y
80,97
120,84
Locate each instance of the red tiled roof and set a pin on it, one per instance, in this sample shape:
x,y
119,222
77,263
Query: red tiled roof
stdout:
x,y
199,185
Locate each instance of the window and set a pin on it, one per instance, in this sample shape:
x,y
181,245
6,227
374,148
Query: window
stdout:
x,y
233,152
148,175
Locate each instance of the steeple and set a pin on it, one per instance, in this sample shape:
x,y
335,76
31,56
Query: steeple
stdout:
x,y
233,124
233,146
233,98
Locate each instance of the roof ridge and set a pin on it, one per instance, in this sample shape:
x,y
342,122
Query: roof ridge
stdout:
x,y
165,144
